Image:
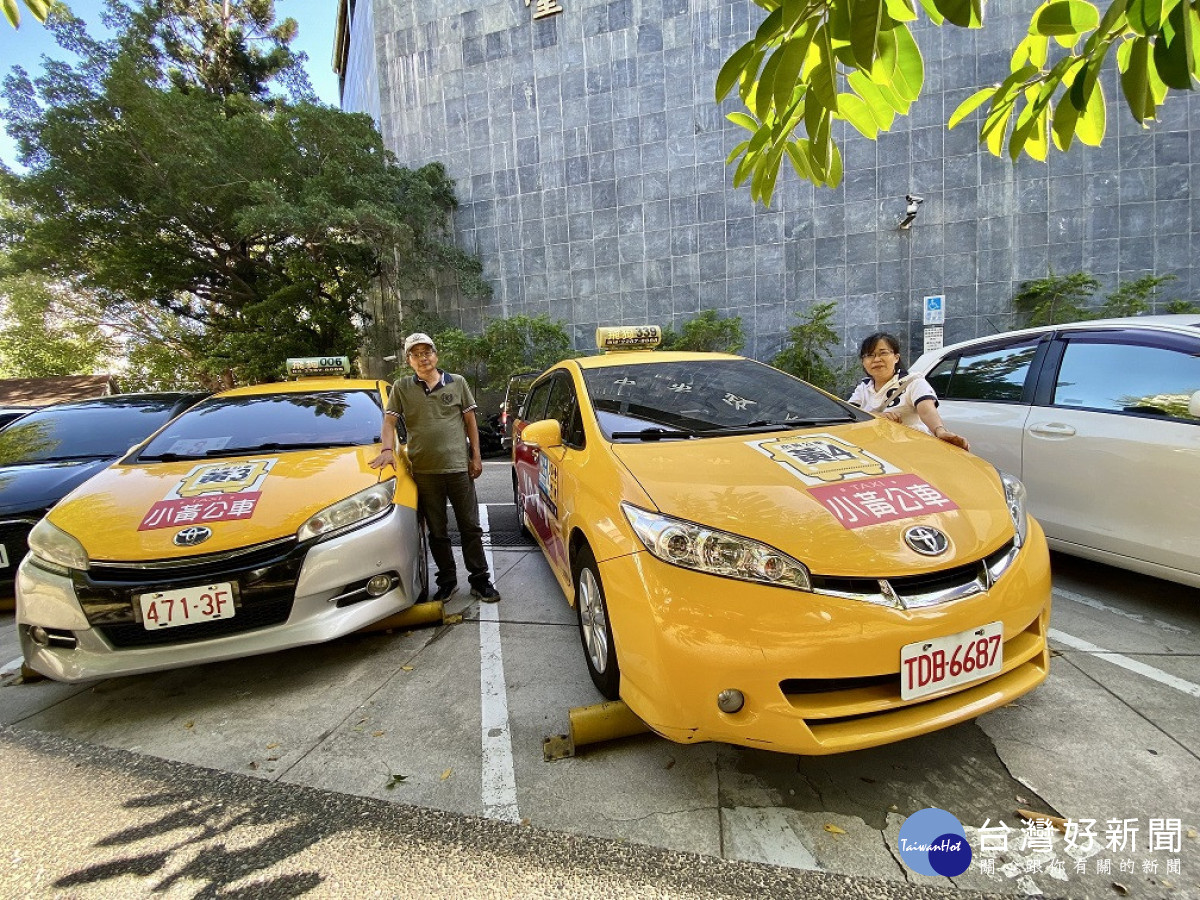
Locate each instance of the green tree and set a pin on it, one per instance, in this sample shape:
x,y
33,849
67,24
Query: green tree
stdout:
x,y
1056,298
807,348
242,218
41,335
39,9
506,347
707,333
1185,307
1134,298
812,64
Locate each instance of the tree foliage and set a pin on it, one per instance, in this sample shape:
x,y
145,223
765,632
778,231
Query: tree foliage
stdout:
x,y
1055,298
260,225
814,62
808,347
1135,298
42,336
505,348
707,333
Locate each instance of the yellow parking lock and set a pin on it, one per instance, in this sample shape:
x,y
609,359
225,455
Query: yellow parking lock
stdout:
x,y
593,724
428,613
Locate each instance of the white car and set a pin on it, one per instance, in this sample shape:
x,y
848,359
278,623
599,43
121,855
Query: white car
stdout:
x,y
1101,421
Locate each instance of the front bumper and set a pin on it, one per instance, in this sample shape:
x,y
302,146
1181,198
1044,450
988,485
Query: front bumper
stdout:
x,y
820,674
289,596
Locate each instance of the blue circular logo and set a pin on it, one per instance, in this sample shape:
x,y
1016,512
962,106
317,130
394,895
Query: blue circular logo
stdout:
x,y
932,842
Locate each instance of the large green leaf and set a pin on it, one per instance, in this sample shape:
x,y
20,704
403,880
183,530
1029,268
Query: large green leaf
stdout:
x,y
971,104
1173,50
1093,118
866,19
794,52
854,110
963,13
1145,16
881,109
1066,17
769,29
733,69
909,64
901,10
823,75
1135,79
764,93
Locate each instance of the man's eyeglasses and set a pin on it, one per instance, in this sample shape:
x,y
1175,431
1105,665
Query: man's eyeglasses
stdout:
x,y
422,354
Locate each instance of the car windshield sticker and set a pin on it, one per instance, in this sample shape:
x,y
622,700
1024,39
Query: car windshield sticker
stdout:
x,y
681,387
625,381
879,500
548,484
212,492
738,402
823,458
199,446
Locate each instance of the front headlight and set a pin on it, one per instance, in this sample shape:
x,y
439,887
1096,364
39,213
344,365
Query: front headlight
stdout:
x,y
55,550
361,507
691,546
1014,498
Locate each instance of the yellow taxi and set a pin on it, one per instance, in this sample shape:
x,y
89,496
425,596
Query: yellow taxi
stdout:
x,y
250,523
756,562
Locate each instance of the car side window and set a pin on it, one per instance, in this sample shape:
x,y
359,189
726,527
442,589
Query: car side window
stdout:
x,y
997,374
1147,377
564,408
534,407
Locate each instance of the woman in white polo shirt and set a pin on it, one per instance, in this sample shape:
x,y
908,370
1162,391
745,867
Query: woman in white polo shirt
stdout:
x,y
894,394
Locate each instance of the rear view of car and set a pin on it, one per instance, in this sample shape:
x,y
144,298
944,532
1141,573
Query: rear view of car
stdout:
x,y
251,523
47,453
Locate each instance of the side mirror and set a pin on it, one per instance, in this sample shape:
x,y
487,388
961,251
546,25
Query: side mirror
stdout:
x,y
1194,405
543,435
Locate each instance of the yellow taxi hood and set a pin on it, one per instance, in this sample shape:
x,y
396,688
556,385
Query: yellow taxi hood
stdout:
x,y
133,512
837,499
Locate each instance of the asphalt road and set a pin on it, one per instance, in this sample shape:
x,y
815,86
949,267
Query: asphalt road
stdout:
x,y
253,777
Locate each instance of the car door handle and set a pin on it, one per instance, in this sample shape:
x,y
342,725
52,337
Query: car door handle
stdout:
x,y
1052,429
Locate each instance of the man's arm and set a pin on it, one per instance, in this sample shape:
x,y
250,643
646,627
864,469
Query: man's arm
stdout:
x,y
475,464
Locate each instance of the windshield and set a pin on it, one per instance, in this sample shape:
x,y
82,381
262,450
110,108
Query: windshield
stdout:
x,y
703,397
98,430
235,426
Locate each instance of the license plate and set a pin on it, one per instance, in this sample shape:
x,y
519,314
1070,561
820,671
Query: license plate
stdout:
x,y
189,606
927,667
3,557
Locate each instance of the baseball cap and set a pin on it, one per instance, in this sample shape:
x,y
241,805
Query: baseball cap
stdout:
x,y
417,338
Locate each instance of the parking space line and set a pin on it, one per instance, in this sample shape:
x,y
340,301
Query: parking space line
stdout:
x,y
1132,665
499,781
1116,611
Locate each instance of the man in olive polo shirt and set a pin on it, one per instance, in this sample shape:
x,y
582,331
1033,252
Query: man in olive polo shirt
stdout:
x,y
438,411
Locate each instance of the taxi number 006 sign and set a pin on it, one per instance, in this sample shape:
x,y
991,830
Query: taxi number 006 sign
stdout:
x,y
930,666
167,609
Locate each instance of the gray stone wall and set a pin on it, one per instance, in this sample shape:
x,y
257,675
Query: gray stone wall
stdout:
x,y
589,159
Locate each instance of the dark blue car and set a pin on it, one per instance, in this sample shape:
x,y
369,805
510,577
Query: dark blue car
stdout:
x,y
48,453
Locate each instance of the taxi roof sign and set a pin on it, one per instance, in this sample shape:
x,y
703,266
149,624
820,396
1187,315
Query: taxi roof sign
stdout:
x,y
301,366
629,337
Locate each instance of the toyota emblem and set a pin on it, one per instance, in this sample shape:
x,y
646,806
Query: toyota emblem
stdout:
x,y
190,537
926,541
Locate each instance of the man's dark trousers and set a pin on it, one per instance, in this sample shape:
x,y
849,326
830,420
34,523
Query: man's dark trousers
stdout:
x,y
432,493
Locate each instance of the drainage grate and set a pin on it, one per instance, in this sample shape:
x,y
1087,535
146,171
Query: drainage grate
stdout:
x,y
504,529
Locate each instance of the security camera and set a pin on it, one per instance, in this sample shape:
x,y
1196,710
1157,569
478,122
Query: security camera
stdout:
x,y
910,212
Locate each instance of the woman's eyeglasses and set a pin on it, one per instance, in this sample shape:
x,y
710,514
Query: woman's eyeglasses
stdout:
x,y
879,354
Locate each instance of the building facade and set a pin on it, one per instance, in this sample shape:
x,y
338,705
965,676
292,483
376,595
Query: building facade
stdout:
x,y
589,157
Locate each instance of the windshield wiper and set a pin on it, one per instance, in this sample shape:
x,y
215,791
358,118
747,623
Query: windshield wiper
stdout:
x,y
274,446
71,457
798,423
656,434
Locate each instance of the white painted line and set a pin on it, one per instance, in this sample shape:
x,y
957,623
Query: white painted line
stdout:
x,y
1117,659
13,665
499,780
1116,611
763,835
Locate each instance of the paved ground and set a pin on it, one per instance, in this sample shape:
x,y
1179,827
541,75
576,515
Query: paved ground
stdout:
x,y
450,720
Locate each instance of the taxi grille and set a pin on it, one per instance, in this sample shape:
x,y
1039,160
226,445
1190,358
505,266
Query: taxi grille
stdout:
x,y
265,580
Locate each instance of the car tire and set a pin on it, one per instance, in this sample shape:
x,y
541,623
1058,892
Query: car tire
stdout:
x,y
595,626
521,526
